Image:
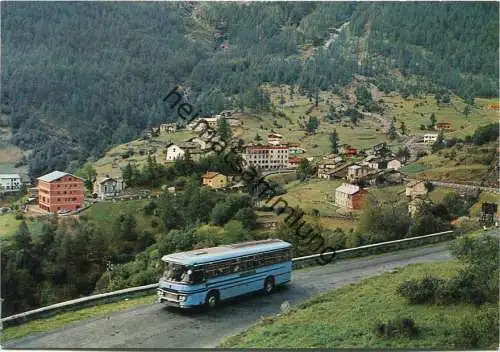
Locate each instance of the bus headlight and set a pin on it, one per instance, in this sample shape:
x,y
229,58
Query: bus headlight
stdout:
x,y
181,298
159,293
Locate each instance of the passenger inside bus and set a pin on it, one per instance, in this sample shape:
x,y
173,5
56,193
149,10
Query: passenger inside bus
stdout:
x,y
176,272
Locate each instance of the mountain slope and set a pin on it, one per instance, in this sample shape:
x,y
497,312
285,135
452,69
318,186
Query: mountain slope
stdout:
x,y
81,77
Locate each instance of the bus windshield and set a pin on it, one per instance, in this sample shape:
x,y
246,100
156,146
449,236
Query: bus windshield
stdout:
x,y
176,272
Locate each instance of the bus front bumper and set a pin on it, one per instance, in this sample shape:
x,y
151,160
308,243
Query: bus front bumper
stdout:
x,y
173,299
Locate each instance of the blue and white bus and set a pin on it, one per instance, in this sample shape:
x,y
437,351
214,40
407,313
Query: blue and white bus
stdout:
x,y
208,276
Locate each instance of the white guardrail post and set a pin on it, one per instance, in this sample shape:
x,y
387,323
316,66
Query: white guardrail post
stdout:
x,y
21,317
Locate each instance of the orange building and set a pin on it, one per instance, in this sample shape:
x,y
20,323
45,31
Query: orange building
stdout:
x,y
60,191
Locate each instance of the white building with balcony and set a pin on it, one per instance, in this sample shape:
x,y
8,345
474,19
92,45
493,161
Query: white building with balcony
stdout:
x,y
10,182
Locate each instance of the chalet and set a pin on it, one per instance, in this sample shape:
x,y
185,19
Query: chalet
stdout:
x,y
174,152
325,170
374,162
202,144
443,126
153,132
294,162
193,149
335,159
168,127
274,138
350,152
379,150
332,168
214,180
213,122
430,138
415,189
356,173
394,164
108,187
350,197
392,177
10,183
203,123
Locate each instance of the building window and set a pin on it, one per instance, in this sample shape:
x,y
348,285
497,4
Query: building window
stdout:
x,y
58,199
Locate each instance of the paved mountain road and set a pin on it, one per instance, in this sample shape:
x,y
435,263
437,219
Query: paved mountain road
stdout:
x,y
153,325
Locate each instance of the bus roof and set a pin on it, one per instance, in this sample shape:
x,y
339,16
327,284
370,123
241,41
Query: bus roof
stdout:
x,y
205,255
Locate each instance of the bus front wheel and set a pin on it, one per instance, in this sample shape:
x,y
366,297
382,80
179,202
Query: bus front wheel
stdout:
x,y
269,285
212,300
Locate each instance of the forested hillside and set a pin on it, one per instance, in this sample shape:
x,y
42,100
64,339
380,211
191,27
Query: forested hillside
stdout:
x,y
81,77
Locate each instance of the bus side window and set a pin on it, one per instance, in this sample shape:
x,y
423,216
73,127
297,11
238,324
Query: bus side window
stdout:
x,y
236,265
248,263
259,260
224,268
197,277
210,271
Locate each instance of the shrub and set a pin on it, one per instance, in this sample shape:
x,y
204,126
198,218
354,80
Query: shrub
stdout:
x,y
154,223
399,327
19,216
476,283
149,207
484,134
480,331
247,217
143,278
420,292
467,336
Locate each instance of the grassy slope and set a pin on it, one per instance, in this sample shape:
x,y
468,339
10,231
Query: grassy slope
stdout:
x,y
112,162
466,166
9,225
346,318
407,111
311,195
317,194
362,136
105,214
475,210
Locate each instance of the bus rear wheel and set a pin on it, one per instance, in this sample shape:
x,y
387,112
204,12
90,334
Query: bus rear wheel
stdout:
x,y
212,300
269,285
